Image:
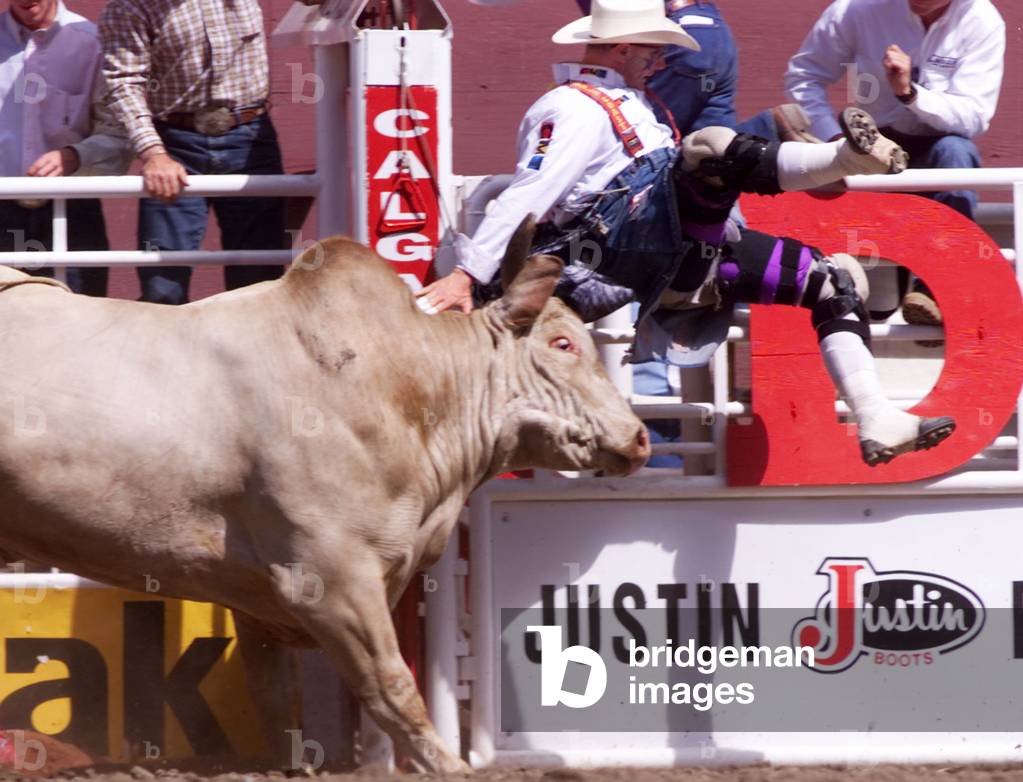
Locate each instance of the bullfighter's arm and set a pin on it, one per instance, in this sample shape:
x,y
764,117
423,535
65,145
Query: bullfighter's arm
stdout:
x,y
558,141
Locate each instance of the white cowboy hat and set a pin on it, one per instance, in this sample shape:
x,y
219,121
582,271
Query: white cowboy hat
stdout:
x,y
626,21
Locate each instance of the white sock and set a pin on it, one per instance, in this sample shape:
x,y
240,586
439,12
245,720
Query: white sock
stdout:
x,y
852,369
803,166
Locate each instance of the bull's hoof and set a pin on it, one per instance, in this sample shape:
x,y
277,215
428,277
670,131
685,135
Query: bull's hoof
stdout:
x,y
451,765
930,433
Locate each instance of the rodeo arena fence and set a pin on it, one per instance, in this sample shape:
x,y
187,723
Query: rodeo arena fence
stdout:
x,y
537,543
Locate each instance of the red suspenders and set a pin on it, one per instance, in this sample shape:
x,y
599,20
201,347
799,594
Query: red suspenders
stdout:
x,y
625,131
622,127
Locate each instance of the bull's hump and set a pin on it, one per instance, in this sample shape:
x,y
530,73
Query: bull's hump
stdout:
x,y
341,284
341,258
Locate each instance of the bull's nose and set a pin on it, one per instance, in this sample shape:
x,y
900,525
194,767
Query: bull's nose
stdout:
x,y
642,450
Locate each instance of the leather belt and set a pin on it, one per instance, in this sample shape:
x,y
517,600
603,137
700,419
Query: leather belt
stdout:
x,y
215,122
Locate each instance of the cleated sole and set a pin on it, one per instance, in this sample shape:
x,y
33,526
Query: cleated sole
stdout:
x,y
932,432
862,133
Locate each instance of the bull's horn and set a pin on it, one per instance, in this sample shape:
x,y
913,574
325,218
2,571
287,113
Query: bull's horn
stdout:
x,y
526,296
518,250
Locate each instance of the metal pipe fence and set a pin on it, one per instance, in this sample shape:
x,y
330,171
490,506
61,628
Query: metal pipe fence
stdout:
x,y
60,189
714,407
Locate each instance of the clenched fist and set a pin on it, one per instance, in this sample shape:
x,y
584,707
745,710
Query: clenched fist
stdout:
x,y
898,66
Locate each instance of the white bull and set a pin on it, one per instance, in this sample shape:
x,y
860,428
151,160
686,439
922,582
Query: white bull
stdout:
x,y
318,429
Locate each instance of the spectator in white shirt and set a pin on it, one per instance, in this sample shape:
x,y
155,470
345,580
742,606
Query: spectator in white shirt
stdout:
x,y
53,123
929,71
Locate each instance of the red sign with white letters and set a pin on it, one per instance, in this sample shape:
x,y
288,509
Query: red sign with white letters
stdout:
x,y
402,144
795,437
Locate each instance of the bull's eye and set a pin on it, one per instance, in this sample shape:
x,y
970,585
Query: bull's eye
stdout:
x,y
564,343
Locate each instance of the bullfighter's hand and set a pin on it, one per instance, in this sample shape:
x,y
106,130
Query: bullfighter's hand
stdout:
x,y
451,292
164,177
56,162
898,67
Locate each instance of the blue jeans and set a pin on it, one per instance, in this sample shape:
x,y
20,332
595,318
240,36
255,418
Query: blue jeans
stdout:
x,y
698,88
22,229
245,223
651,379
942,152
634,234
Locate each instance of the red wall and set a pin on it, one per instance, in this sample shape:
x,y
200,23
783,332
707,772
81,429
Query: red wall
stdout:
x,y
501,64
496,81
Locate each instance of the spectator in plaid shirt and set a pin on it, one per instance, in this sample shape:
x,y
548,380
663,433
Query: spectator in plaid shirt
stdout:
x,y
189,80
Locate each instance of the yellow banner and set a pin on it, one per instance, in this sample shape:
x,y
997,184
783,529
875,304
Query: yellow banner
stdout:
x,y
124,675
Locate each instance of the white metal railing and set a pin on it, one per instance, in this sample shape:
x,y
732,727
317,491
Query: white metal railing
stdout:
x,y
931,179
612,334
59,189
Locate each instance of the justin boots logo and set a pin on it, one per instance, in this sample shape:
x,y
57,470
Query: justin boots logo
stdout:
x,y
904,618
554,664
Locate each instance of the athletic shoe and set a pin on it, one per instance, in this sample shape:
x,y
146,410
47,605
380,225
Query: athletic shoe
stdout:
x,y
930,432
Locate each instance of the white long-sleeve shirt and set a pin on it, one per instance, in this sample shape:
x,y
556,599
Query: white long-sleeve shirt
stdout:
x,y
959,59
51,90
568,150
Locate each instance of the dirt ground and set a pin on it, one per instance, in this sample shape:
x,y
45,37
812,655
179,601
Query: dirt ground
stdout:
x,y
880,773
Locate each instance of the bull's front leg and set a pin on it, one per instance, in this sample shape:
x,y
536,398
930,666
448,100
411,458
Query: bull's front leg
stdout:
x,y
351,619
272,674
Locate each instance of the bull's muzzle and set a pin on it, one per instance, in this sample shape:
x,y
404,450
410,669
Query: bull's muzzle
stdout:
x,y
629,454
642,450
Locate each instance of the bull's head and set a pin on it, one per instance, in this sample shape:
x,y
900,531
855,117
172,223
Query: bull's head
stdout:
x,y
563,413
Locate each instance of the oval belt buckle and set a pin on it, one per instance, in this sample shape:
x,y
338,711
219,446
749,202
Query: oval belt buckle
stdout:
x,y
214,122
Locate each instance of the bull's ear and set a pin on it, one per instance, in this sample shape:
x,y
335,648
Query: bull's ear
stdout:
x,y
517,252
524,298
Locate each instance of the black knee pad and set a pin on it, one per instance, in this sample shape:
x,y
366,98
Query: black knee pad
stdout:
x,y
829,315
698,200
749,165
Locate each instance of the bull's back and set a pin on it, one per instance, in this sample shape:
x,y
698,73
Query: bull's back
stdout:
x,y
120,441
102,396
